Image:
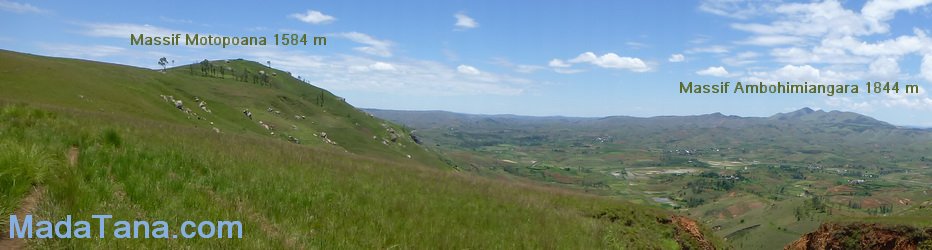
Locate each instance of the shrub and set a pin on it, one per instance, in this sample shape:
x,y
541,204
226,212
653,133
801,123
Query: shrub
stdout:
x,y
111,137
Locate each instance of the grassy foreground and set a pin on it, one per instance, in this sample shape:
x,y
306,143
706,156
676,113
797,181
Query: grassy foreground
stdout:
x,y
137,160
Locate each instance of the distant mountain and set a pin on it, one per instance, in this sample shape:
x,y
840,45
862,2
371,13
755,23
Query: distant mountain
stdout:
x,y
831,117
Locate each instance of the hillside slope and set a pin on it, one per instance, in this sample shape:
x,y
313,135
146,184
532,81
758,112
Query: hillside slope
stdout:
x,y
84,138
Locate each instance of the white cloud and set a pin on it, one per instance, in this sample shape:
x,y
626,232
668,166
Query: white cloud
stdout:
x,y
612,61
557,63
772,40
677,58
839,30
851,50
524,68
899,46
405,76
713,71
926,68
313,17
465,22
19,7
740,9
878,12
852,45
466,69
885,68
382,66
567,70
819,54
520,68
123,30
917,101
373,46
376,66
800,74
742,58
812,19
717,49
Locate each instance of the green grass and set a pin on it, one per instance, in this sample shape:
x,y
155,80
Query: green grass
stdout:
x,y
141,159
24,164
293,196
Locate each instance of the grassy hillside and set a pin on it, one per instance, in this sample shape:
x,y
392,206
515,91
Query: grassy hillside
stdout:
x,y
88,138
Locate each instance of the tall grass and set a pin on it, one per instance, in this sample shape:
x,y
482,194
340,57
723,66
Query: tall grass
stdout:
x,y
22,164
293,196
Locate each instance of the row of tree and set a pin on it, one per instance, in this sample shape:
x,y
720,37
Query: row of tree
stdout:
x,y
208,69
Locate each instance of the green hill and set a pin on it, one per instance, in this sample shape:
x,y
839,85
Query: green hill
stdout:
x,y
81,138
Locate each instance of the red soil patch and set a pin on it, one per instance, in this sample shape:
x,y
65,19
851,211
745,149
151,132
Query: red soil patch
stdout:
x,y
559,178
840,189
870,203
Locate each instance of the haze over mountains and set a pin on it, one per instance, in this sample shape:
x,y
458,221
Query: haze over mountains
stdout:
x,y
421,117
777,137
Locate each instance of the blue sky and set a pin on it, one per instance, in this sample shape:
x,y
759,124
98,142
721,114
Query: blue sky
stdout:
x,y
571,58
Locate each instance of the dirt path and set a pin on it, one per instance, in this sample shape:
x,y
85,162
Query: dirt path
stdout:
x,y
691,227
26,206
266,225
73,156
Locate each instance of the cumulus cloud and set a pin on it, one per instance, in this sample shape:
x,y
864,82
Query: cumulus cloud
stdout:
x,y
677,58
713,71
373,46
823,42
878,12
465,22
313,17
612,61
466,69
838,30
